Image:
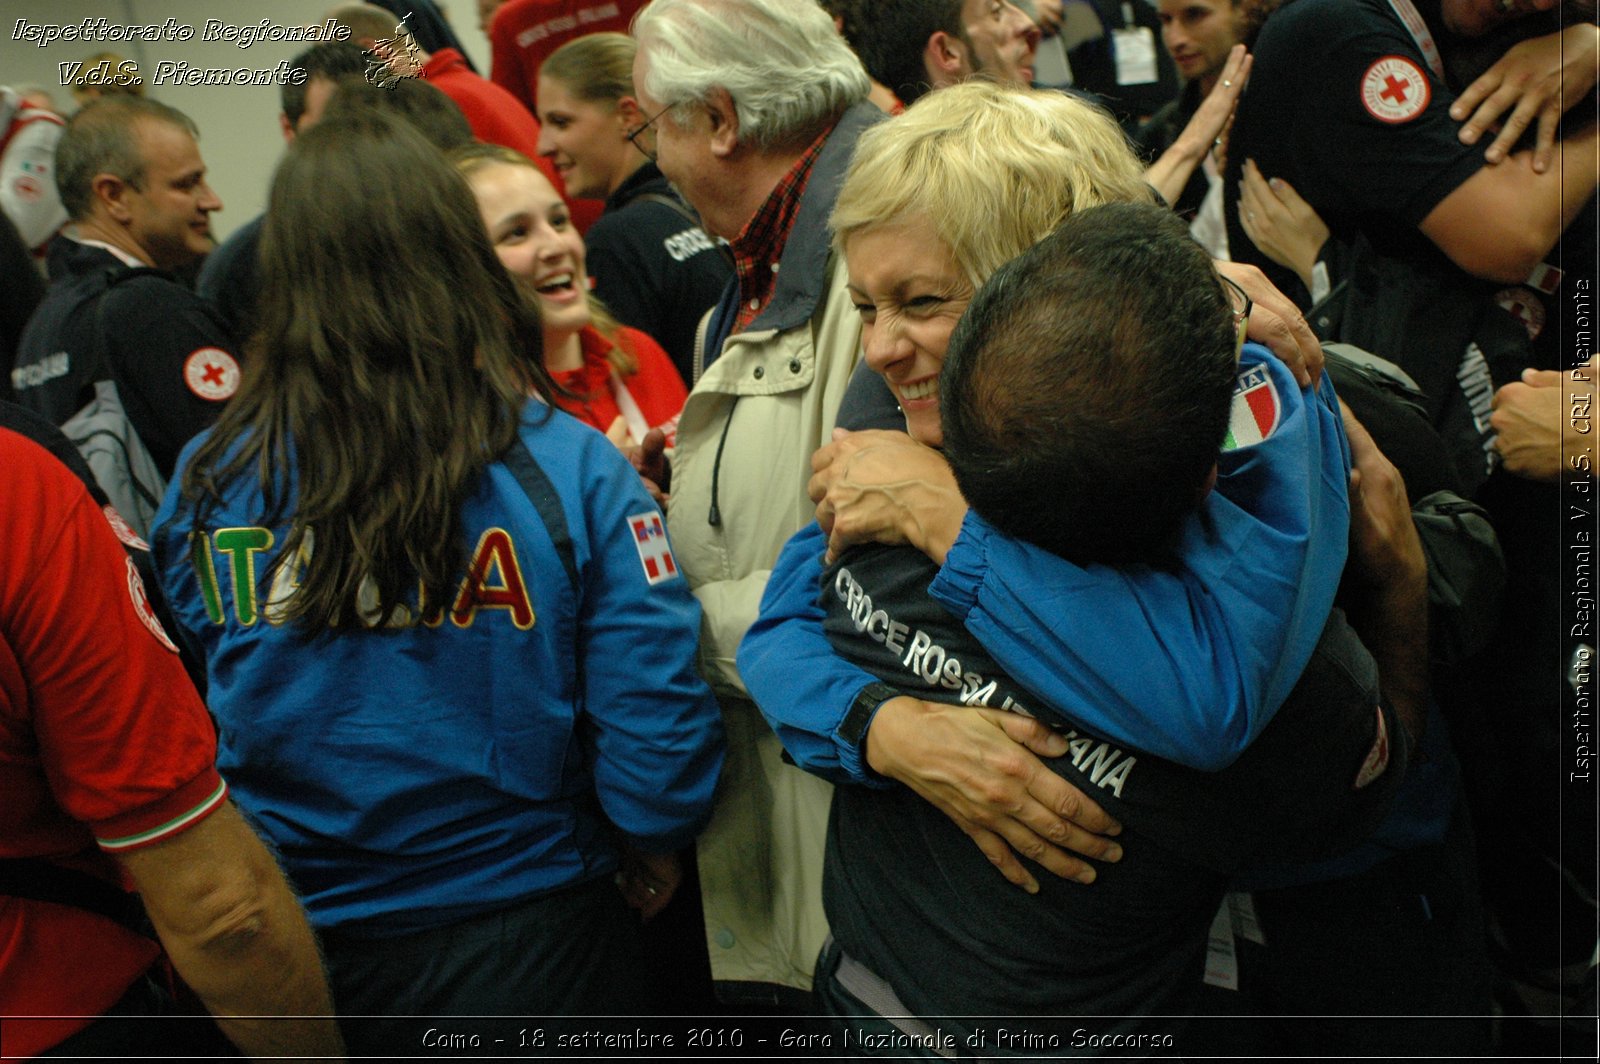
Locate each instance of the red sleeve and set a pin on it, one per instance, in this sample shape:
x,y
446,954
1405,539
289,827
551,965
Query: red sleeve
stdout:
x,y
122,736
656,387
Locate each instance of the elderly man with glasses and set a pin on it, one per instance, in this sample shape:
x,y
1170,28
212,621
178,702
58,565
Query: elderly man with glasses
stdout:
x,y
755,106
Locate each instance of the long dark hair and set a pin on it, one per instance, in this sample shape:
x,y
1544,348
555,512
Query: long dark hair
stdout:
x,y
391,364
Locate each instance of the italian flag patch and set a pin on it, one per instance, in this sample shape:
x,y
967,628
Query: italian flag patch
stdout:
x,y
1256,409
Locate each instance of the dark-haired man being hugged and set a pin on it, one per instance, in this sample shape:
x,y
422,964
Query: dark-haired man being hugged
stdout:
x,y
1089,416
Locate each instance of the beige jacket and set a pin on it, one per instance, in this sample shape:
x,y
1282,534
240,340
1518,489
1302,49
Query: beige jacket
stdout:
x,y
745,441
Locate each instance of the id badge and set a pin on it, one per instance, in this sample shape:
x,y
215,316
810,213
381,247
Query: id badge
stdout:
x,y
1135,52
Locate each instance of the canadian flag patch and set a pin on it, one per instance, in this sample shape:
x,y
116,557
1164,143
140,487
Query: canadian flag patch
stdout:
x,y
655,553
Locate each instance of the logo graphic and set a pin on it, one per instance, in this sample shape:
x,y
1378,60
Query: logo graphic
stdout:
x,y
393,59
124,531
1256,409
1395,90
211,373
655,553
1524,304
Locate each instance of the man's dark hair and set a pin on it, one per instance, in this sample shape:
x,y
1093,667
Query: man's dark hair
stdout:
x,y
333,60
890,36
103,138
428,110
1087,389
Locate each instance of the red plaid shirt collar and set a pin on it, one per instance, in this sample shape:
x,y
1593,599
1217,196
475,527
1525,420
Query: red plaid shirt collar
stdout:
x,y
760,244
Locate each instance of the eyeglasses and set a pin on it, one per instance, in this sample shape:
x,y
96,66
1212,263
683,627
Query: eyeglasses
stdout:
x,y
633,137
1242,306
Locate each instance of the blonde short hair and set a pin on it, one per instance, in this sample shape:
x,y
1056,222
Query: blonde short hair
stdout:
x,y
993,168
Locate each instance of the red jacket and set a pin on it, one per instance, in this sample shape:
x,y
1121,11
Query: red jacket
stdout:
x,y
494,114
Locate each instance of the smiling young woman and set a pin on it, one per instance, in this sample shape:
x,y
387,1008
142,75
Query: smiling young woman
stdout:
x,y
612,377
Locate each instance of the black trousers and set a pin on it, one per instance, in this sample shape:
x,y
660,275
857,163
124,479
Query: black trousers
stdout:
x,y
570,953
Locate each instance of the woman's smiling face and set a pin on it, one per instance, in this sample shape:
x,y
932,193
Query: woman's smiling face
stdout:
x,y
532,232
910,294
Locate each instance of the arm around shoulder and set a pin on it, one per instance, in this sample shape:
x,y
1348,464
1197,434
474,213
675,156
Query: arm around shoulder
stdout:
x,y
1188,663
1504,220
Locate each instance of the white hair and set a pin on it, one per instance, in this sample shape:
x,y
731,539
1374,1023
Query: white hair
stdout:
x,y
782,61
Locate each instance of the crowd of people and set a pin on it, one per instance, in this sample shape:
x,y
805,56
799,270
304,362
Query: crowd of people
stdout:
x,y
805,507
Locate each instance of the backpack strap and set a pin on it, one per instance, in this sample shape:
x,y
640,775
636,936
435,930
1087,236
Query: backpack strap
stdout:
x,y
536,485
105,367
667,200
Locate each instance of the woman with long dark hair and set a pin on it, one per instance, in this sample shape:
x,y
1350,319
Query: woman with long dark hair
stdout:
x,y
449,652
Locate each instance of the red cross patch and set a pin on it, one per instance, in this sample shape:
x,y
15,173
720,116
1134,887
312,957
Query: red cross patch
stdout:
x,y
141,606
211,373
655,553
1395,90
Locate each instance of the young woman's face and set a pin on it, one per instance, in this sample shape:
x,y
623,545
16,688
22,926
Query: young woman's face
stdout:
x,y
910,294
587,141
532,232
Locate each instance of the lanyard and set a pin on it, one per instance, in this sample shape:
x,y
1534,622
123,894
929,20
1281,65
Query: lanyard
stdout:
x,y
628,408
1408,14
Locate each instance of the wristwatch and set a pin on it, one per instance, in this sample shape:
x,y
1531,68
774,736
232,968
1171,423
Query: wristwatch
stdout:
x,y
853,729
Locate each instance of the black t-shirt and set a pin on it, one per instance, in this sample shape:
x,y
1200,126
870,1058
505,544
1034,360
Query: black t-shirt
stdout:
x,y
21,289
167,349
653,266
915,900
1344,106
868,403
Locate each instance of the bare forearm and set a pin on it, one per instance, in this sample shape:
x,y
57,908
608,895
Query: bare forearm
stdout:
x,y
258,969
1578,174
1550,201
1170,173
238,937
1504,220
1394,625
